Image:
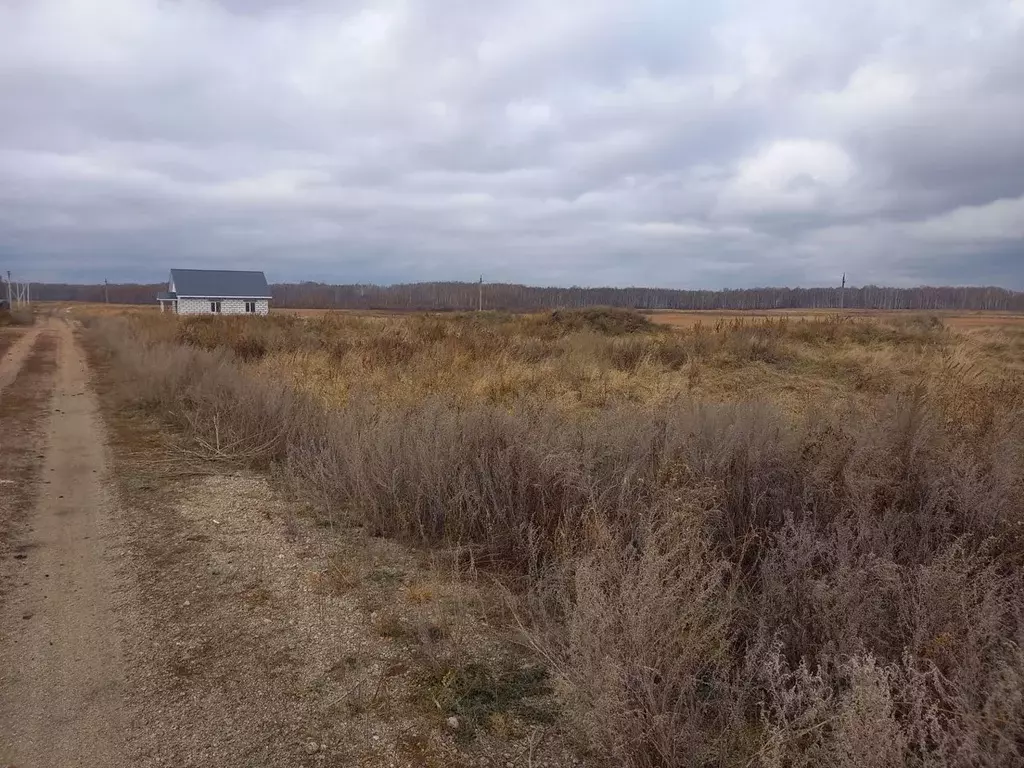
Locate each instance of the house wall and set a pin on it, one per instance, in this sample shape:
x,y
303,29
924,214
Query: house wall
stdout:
x,y
227,306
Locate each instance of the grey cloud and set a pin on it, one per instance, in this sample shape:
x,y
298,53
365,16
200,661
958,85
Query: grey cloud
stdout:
x,y
625,143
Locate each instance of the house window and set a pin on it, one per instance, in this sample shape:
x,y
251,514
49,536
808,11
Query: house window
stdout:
x,y
215,307
250,307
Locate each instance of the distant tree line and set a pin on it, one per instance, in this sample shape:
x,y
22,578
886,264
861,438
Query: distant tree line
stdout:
x,y
518,298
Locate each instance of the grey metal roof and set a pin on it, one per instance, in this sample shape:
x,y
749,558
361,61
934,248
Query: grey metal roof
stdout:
x,y
220,283
165,296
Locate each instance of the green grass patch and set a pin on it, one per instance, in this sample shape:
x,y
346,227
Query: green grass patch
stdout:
x,y
478,693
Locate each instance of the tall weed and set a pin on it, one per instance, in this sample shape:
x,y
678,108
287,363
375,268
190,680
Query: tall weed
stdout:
x,y
714,584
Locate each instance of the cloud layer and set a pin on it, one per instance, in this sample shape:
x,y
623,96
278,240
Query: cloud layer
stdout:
x,y
608,142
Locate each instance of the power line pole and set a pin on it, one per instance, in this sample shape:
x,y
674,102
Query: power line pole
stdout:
x,y
106,293
18,294
842,293
480,295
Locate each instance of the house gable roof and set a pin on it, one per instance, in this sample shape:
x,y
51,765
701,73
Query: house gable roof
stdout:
x,y
220,283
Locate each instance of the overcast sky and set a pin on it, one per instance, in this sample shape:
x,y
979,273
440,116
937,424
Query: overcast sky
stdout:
x,y
682,143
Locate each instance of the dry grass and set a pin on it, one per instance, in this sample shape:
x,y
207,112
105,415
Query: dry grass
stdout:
x,y
566,360
24,404
952,319
16,317
777,542
7,339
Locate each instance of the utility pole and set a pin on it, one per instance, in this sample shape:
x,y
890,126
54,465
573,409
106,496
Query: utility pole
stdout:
x,y
106,293
480,295
18,294
842,293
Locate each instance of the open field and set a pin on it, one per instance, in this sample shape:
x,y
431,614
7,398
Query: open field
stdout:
x,y
954,320
824,361
688,319
679,319
779,541
579,536
160,604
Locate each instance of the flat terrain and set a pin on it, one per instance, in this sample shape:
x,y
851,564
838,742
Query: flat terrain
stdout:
x,y
159,607
15,346
957,320
677,319
688,319
62,689
425,540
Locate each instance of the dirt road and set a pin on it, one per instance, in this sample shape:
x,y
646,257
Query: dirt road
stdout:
x,y
11,362
155,611
61,678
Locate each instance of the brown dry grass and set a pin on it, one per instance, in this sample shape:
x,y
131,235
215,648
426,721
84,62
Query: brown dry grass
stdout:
x,y
504,360
23,409
370,638
7,339
957,320
94,309
15,317
776,542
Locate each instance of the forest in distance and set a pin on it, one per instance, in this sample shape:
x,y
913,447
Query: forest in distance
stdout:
x,y
457,296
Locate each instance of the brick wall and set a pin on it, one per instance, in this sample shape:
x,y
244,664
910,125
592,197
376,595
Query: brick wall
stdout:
x,y
227,306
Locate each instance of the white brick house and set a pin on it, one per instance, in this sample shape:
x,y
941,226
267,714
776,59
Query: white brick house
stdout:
x,y
215,292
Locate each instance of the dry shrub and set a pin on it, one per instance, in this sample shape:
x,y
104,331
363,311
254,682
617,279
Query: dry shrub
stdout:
x,y
433,473
532,350
16,317
253,337
639,628
629,353
226,414
608,321
582,361
388,349
249,348
911,330
712,584
755,347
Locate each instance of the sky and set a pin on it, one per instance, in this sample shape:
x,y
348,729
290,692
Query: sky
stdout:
x,y
674,143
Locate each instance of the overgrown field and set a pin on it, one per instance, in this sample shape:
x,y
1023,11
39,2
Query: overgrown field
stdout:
x,y
780,543
15,317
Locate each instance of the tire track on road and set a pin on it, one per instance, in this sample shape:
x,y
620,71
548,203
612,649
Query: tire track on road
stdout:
x,y
15,356
23,417
61,677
